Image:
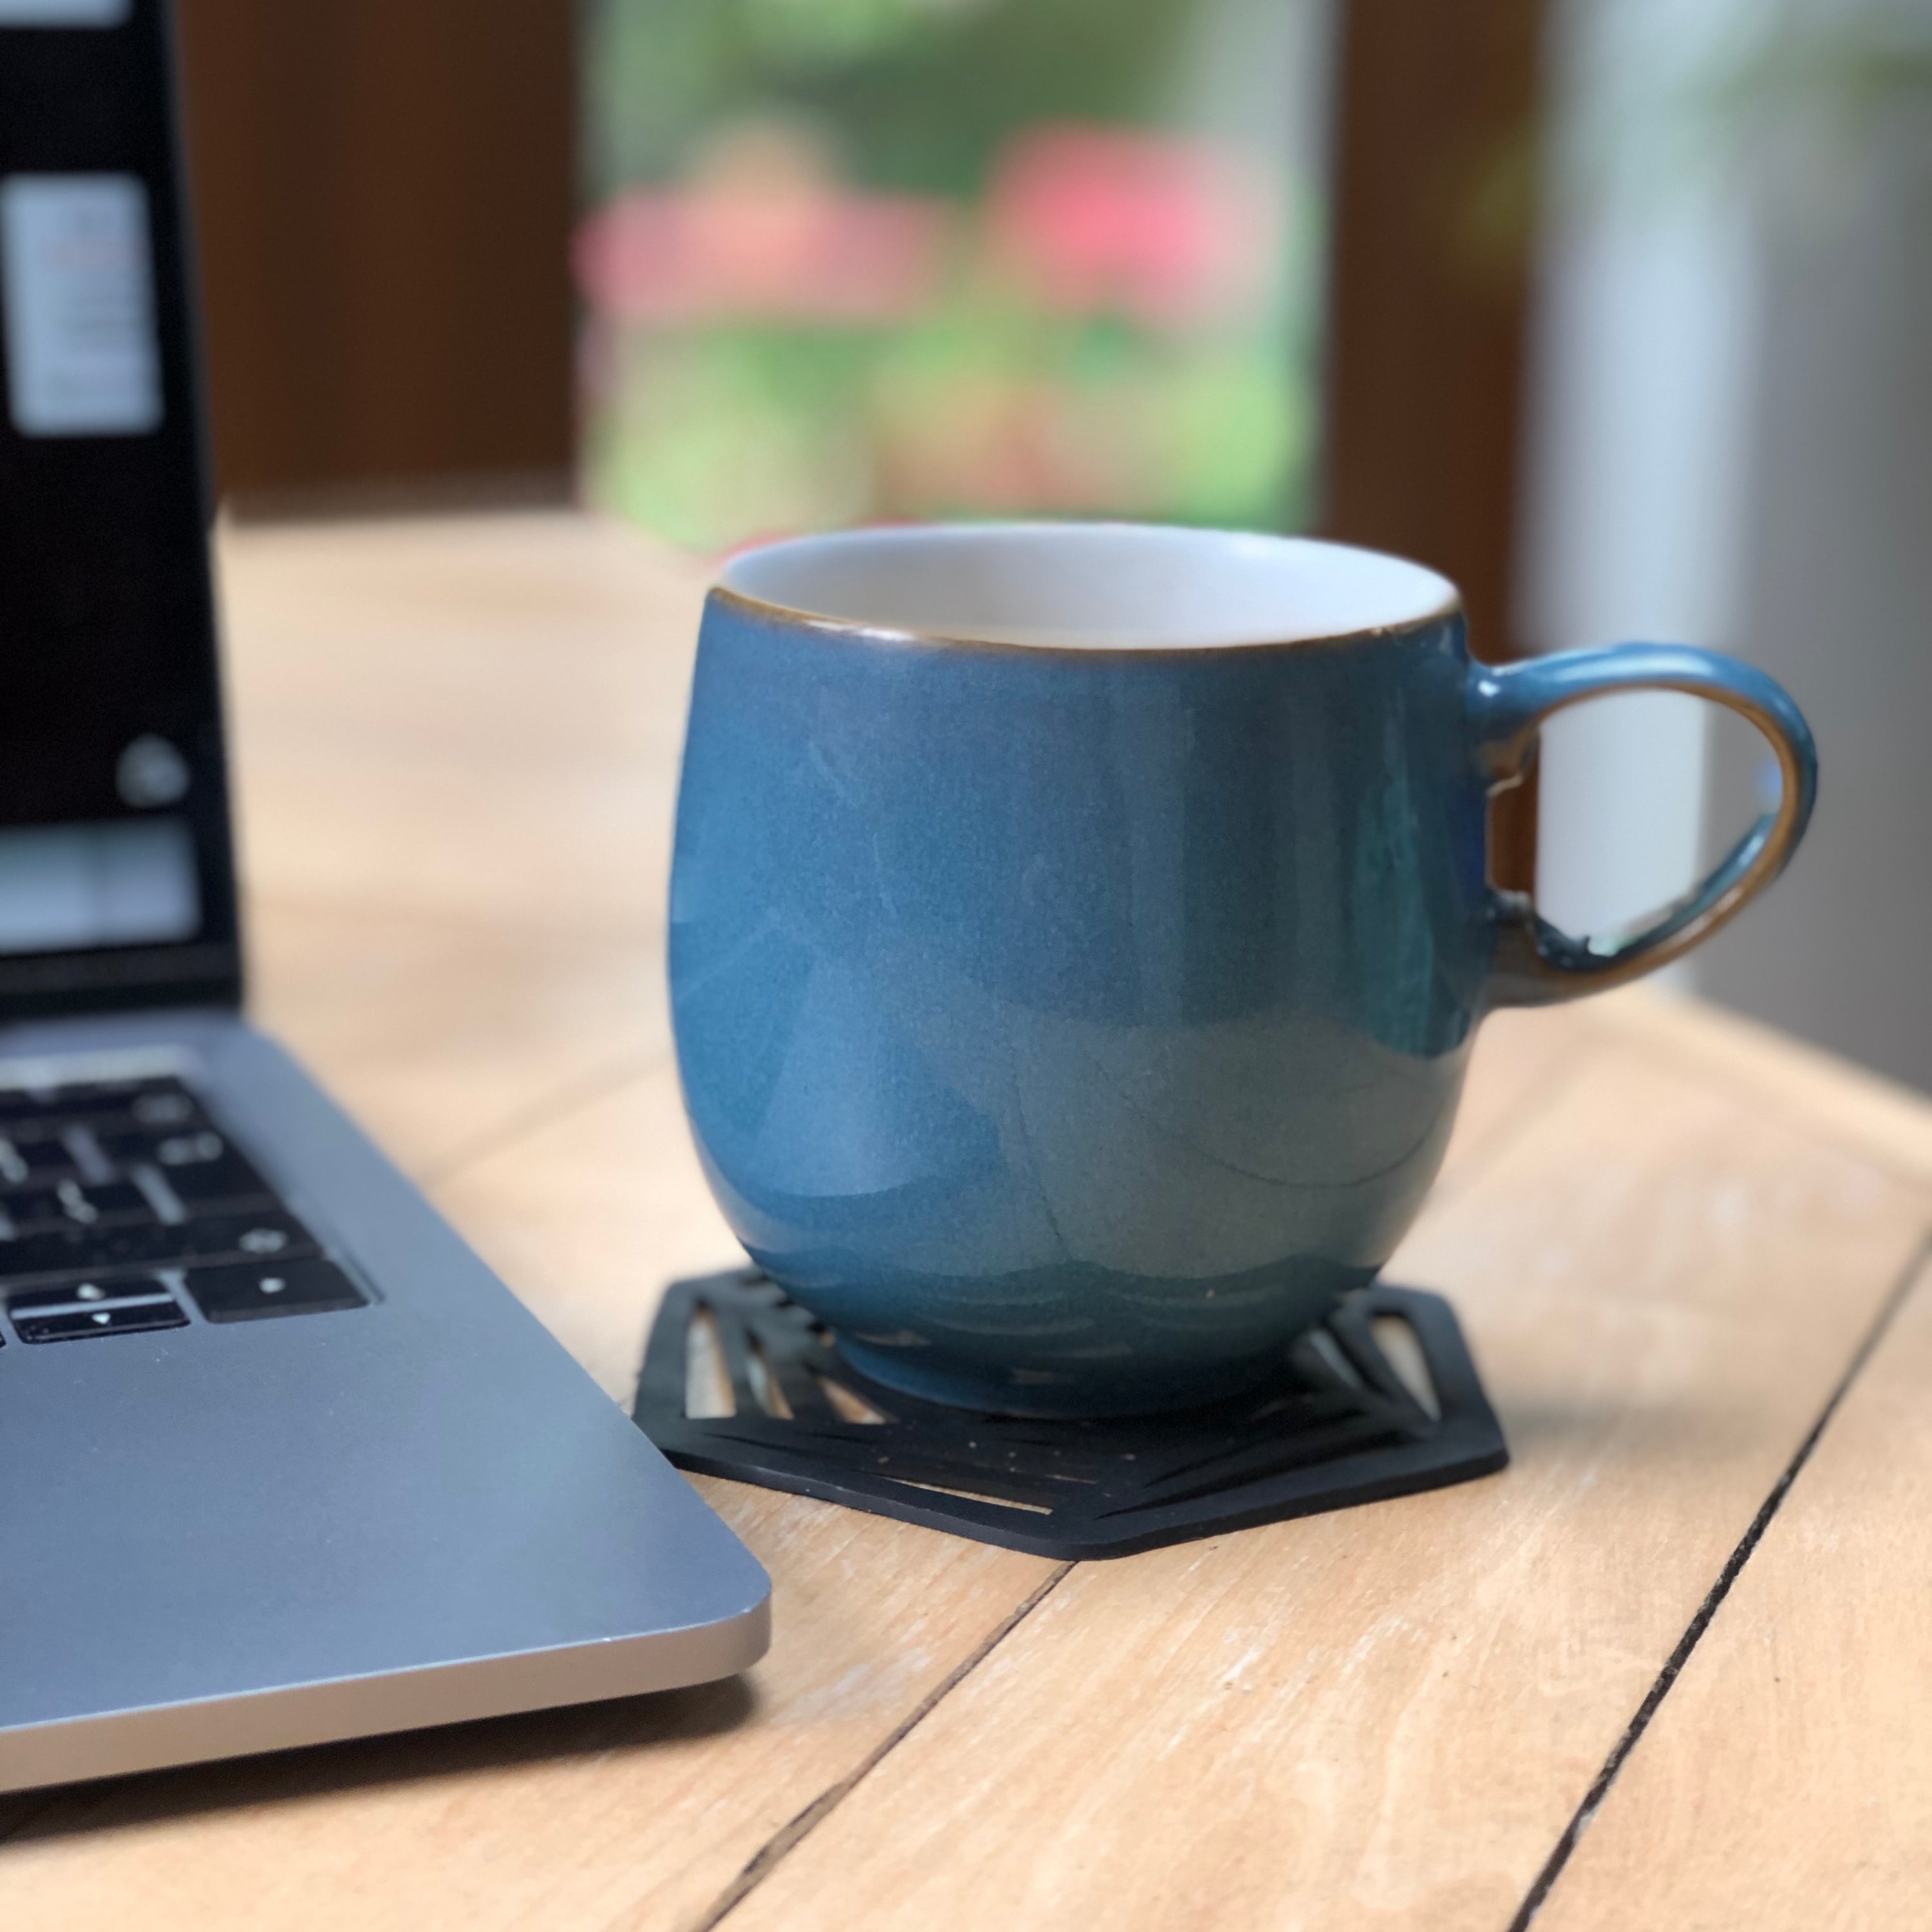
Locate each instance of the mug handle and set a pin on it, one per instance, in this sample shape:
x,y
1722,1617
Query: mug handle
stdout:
x,y
1535,964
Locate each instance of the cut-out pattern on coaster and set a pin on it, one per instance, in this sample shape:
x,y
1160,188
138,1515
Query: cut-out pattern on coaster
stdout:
x,y
1348,1421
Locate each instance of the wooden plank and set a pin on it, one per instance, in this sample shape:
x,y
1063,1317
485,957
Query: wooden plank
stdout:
x,y
1883,1120
1786,1781
445,1034
1389,1715
456,746
588,1219
1523,1060
480,716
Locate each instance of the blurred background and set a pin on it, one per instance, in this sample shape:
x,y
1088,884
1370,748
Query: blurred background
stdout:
x,y
845,260
1615,311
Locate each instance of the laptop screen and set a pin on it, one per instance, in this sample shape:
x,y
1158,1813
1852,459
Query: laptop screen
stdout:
x,y
116,885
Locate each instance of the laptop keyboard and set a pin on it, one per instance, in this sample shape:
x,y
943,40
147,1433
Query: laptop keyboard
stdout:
x,y
125,1208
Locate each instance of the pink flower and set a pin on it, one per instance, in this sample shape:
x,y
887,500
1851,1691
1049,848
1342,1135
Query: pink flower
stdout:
x,y
1169,231
768,234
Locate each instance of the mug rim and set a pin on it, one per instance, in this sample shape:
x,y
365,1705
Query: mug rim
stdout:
x,y
1448,605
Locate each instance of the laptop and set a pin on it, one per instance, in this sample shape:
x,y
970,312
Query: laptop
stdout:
x,y
280,1460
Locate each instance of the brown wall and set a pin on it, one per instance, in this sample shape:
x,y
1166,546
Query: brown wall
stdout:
x,y
384,190
1434,219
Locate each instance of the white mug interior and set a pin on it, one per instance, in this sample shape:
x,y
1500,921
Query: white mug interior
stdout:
x,y
1119,586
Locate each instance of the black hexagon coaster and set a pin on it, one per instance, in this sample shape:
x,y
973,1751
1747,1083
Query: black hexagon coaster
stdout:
x,y
1381,1400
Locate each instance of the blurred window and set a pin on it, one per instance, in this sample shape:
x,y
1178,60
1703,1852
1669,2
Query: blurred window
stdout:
x,y
849,260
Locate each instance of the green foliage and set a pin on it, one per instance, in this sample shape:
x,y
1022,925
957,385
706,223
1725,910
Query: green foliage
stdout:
x,y
984,400
922,92
1854,66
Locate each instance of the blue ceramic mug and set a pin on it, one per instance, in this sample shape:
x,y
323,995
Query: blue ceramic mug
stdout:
x,y
1078,933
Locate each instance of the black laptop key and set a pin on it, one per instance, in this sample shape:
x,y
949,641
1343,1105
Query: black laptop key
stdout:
x,y
102,1204
229,1187
133,1318
27,1163
263,1236
31,1211
145,1107
71,1204
202,1170
36,1111
192,1146
166,1105
80,1310
294,1288
195,1148
26,1117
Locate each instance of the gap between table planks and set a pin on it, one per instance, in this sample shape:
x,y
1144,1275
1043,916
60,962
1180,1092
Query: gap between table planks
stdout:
x,y
643,1814
1786,1780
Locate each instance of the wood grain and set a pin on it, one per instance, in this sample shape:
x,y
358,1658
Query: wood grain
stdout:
x,y
444,1035
1386,1716
1831,1099
457,744
588,1218
1522,1062
479,716
1787,1779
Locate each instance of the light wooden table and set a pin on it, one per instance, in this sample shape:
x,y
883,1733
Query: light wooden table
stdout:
x,y
1672,1670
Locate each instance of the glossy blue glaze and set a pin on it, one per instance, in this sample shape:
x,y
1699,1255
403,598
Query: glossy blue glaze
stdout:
x,y
1068,1027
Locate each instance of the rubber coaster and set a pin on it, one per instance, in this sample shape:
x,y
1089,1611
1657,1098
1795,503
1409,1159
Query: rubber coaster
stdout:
x,y
1343,1426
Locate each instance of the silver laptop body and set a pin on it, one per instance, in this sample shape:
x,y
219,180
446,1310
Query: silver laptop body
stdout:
x,y
280,1460
231,1536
